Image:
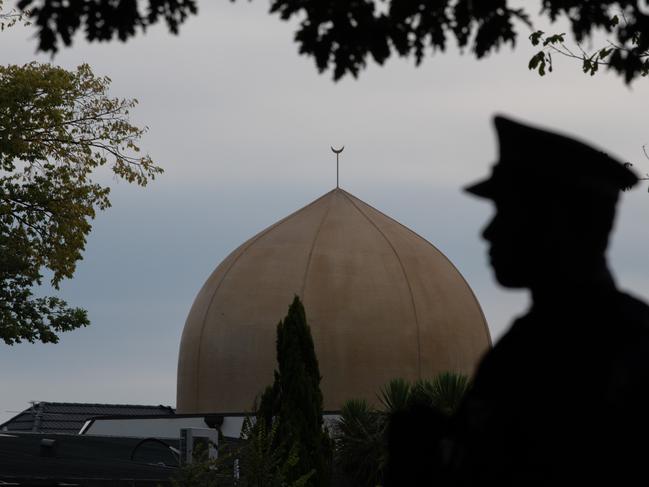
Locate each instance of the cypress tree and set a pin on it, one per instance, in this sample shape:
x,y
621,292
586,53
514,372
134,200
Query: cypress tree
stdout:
x,y
295,399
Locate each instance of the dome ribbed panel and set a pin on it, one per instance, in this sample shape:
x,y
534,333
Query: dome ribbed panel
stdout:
x,y
228,345
381,302
452,326
358,305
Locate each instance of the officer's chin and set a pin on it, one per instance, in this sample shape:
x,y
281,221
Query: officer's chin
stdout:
x,y
510,278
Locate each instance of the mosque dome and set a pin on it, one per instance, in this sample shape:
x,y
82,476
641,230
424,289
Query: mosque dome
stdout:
x,y
381,302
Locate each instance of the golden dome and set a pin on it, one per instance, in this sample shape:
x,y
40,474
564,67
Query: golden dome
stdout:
x,y
381,302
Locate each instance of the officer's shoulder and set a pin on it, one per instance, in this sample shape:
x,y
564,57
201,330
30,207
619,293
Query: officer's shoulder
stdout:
x,y
628,323
633,309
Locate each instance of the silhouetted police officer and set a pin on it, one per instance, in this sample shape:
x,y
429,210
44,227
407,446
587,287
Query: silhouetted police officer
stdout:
x,y
563,397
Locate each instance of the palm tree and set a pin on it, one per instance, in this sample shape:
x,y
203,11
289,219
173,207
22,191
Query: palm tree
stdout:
x,y
446,391
361,433
395,396
361,449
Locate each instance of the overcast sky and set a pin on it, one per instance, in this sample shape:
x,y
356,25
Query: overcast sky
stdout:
x,y
242,126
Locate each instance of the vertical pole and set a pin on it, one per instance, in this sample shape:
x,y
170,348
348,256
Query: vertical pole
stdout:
x,y
337,152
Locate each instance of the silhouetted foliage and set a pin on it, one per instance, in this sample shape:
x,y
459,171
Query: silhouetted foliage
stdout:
x,y
627,55
12,17
58,21
361,450
343,34
362,435
295,400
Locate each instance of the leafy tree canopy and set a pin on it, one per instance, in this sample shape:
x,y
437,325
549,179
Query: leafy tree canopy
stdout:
x,y
57,128
344,34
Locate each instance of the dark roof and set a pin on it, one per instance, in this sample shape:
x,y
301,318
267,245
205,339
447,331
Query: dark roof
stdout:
x,y
52,459
69,417
36,459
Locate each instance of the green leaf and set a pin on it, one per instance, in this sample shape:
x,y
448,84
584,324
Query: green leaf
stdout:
x,y
604,53
554,39
539,62
536,37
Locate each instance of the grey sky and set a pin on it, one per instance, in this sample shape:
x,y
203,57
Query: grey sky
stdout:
x,y
242,126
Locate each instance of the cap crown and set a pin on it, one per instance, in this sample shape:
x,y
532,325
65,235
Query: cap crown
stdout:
x,y
535,160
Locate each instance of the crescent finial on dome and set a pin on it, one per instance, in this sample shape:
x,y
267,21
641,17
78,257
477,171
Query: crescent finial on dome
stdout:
x,y
337,152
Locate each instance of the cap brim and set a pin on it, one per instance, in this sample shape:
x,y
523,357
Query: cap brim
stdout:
x,y
483,189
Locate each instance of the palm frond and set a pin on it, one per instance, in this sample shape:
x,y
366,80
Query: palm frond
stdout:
x,y
447,391
395,396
